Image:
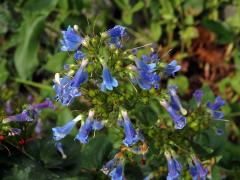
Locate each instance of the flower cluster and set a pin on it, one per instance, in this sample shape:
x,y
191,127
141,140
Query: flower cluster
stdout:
x,y
113,81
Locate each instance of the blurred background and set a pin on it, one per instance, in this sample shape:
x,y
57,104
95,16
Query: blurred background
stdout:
x,y
202,35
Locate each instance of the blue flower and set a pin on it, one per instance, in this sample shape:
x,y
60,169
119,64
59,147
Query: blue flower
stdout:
x,y
46,104
198,94
193,172
84,131
216,114
179,120
65,93
71,40
87,127
80,76
175,101
219,102
147,77
201,171
152,58
22,117
131,137
117,173
116,33
97,125
109,166
109,82
174,168
172,68
79,55
61,132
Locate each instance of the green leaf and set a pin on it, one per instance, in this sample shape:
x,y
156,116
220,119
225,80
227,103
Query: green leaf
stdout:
x,y
156,31
43,7
3,72
224,34
127,17
181,82
25,57
138,6
55,62
94,153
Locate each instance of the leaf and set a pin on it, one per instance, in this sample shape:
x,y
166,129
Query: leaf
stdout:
x,y
25,57
43,7
55,62
181,82
94,153
3,72
138,6
156,31
224,34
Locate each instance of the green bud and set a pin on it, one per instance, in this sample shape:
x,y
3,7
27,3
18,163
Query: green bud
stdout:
x,y
104,35
91,93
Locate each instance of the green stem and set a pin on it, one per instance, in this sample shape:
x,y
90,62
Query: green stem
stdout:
x,y
34,84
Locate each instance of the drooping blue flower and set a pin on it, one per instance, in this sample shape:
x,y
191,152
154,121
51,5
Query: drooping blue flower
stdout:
x,y
61,132
198,94
80,76
147,77
131,137
79,55
22,117
193,172
116,33
172,68
219,102
174,168
84,131
109,166
219,131
65,93
179,120
71,40
46,104
117,173
152,58
201,171
175,101
97,125
109,82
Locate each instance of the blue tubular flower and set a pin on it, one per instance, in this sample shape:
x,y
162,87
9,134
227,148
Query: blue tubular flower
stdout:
x,y
61,132
172,68
23,117
219,102
175,101
79,55
46,104
117,173
198,94
179,120
193,172
97,125
147,77
71,40
174,168
116,33
109,166
131,137
153,58
65,93
201,171
81,76
109,82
